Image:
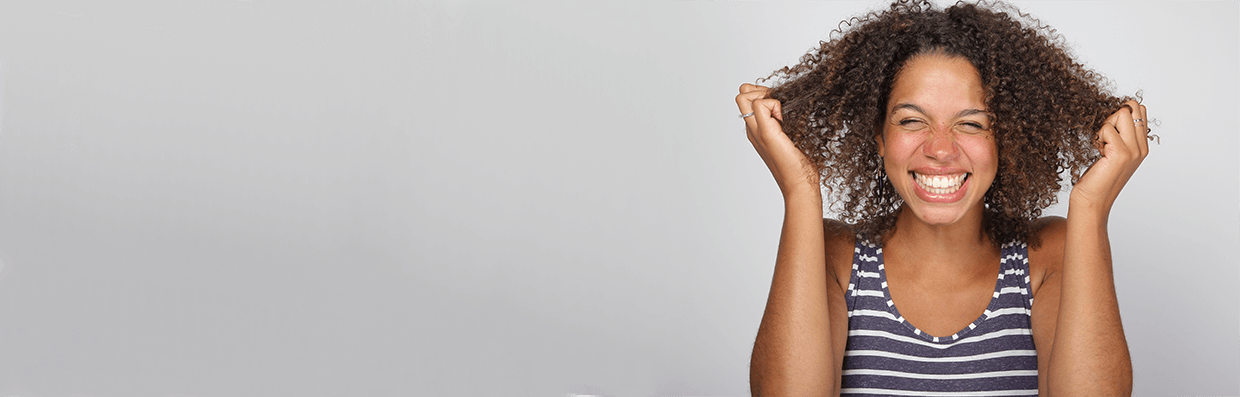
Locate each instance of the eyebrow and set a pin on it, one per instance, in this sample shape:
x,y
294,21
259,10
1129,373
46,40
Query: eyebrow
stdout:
x,y
962,113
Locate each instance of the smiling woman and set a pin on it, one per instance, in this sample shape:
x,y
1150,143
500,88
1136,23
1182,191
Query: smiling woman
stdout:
x,y
936,139
941,135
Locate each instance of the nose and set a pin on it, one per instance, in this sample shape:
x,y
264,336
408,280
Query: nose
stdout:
x,y
941,144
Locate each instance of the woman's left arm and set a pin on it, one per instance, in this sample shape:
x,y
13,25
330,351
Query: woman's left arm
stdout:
x,y
1088,352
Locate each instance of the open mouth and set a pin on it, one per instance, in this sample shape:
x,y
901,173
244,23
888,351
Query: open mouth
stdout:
x,y
940,184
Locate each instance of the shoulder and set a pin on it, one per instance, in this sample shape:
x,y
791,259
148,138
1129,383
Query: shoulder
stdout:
x,y
1046,249
1047,235
841,238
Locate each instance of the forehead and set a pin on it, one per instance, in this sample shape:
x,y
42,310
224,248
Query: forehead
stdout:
x,y
940,83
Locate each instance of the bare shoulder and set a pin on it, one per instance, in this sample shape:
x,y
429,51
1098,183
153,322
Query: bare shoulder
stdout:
x,y
840,241
1046,250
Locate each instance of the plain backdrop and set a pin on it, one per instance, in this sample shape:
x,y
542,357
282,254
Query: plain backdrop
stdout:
x,y
277,198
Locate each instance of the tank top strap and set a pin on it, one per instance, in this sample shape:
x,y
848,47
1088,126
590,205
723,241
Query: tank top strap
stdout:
x,y
867,264
1014,273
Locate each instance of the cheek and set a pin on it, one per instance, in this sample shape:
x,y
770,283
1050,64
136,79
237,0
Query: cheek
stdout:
x,y
902,145
982,152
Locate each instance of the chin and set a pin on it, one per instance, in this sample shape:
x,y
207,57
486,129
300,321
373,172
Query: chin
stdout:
x,y
940,216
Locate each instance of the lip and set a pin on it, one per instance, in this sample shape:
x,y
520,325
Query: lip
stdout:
x,y
952,197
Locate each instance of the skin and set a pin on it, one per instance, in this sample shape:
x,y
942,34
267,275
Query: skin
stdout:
x,y
936,124
933,126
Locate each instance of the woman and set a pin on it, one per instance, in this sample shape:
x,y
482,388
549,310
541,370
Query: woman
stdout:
x,y
940,135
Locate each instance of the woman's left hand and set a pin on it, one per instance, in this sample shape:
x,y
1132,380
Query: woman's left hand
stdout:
x,y
1123,142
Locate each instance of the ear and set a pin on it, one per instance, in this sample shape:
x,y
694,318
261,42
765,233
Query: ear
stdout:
x,y
878,139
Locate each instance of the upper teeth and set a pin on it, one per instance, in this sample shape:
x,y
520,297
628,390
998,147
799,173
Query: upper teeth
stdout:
x,y
940,184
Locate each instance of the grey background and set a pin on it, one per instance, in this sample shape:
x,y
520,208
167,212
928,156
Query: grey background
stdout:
x,y
257,198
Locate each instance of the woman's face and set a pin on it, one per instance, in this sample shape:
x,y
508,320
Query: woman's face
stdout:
x,y
936,142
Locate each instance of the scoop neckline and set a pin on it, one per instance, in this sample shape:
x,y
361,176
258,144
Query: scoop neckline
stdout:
x,y
990,307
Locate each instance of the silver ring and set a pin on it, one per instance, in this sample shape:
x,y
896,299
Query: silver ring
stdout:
x,y
746,115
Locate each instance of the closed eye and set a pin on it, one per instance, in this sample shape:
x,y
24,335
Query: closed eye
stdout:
x,y
909,122
973,127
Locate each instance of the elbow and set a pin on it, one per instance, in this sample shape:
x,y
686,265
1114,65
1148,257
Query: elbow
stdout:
x,y
779,383
768,387
1112,380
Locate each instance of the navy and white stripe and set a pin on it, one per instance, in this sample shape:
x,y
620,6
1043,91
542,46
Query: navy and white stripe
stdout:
x,y
886,355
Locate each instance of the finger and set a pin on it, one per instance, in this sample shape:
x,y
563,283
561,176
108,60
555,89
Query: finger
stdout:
x,y
1108,145
744,103
777,111
1103,137
755,92
745,98
750,96
1109,135
1139,130
750,93
1143,132
767,115
746,88
1126,125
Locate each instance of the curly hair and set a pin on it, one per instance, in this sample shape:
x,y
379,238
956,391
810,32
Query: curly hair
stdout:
x,y
1045,106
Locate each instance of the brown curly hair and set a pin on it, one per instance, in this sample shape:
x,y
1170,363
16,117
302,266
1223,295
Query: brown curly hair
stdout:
x,y
1045,106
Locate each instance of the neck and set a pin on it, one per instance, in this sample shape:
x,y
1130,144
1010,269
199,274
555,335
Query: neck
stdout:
x,y
941,249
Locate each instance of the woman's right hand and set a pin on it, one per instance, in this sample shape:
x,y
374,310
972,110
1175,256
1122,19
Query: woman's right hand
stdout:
x,y
794,353
791,169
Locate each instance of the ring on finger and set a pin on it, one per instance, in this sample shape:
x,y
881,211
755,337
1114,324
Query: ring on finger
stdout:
x,y
745,115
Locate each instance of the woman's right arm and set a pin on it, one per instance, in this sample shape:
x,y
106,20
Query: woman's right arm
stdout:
x,y
795,353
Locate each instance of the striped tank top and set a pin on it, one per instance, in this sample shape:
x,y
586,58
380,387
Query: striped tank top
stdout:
x,y
888,356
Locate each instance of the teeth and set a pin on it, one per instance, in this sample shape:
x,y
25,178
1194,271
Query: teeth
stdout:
x,y
940,184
